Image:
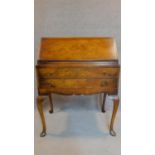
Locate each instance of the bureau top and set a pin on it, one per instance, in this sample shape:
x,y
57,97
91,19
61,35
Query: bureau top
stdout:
x,y
95,49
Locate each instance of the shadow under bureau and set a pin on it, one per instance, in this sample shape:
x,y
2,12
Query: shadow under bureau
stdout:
x,y
79,66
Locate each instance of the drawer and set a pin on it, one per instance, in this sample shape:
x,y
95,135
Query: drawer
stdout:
x,y
78,83
77,91
77,72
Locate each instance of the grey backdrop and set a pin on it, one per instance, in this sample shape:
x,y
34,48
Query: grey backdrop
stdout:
x,y
77,18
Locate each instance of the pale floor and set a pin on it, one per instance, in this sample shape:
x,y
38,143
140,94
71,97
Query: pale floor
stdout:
x,y
78,127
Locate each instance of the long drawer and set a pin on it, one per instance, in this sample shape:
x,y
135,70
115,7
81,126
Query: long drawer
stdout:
x,y
77,72
77,91
78,83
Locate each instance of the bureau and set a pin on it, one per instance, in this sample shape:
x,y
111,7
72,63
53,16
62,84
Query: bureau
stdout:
x,y
77,66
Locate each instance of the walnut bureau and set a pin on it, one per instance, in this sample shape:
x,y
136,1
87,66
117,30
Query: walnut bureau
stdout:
x,y
79,66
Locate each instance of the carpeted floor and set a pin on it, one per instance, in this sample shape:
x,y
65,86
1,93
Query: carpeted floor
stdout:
x,y
78,127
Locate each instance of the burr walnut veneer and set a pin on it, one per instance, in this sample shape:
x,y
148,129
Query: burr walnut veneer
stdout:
x,y
77,66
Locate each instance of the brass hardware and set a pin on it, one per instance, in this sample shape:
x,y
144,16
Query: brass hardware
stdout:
x,y
106,74
50,74
51,85
104,83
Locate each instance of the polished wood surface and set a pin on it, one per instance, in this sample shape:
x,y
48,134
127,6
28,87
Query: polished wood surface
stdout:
x,y
40,100
75,91
80,66
78,72
77,77
115,108
78,49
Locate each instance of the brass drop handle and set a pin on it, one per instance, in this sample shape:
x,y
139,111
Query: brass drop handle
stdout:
x,y
104,83
106,74
50,74
51,85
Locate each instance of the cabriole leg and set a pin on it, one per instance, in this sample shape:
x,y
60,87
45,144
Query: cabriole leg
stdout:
x,y
40,110
103,105
115,108
51,103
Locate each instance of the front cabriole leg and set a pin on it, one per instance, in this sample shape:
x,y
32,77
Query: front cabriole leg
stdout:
x,y
40,110
115,108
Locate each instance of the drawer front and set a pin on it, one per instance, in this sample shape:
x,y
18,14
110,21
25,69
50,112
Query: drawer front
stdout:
x,y
78,83
78,72
77,91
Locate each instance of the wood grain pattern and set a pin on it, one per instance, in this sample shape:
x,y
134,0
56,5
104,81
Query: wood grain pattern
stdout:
x,y
78,49
115,108
78,83
40,110
77,91
77,72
